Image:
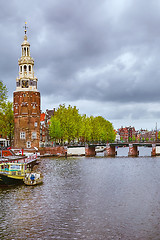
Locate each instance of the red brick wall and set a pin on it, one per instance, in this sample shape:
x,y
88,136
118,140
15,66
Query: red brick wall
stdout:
x,y
90,151
60,150
26,113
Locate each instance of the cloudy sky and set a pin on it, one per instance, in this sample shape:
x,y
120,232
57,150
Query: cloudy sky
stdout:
x,y
102,56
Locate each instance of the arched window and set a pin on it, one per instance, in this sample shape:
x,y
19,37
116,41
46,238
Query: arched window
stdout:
x,y
27,51
25,68
29,68
20,68
24,51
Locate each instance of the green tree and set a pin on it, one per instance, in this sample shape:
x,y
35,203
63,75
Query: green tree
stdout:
x,y
86,129
70,121
55,130
110,134
3,94
71,126
6,114
7,121
133,138
102,130
159,135
130,139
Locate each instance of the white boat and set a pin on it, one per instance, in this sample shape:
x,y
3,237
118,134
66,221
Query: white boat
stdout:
x,y
33,178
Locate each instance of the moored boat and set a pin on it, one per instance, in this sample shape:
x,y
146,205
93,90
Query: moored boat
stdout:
x,y
33,178
14,168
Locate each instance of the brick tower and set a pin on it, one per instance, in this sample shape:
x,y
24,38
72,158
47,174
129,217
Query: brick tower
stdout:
x,y
26,102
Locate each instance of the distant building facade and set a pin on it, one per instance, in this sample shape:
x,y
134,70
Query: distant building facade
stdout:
x,y
127,133
145,135
45,139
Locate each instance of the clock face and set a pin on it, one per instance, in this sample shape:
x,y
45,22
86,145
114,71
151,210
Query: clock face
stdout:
x,y
25,84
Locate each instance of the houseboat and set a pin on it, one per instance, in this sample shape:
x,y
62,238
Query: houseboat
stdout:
x,y
14,168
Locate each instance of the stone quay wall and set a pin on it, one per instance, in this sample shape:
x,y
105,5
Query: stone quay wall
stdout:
x,y
54,151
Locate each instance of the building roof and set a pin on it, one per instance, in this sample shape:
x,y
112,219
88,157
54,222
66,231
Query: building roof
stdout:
x,y
50,113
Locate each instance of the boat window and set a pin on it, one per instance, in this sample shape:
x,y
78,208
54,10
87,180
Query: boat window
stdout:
x,y
15,167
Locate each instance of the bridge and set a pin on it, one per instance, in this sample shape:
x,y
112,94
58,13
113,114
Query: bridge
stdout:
x,y
110,148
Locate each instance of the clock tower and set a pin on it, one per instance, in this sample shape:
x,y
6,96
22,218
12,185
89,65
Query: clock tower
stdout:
x,y
26,102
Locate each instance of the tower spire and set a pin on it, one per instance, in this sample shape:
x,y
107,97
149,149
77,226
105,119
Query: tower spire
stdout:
x,y
25,27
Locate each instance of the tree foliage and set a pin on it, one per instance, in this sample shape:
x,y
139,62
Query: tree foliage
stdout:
x,y
7,121
3,94
69,125
159,135
86,129
55,129
6,114
69,120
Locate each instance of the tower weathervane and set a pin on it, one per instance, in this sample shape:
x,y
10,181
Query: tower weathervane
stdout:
x,y
25,28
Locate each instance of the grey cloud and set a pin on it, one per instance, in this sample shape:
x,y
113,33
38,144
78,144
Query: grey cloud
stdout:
x,y
96,51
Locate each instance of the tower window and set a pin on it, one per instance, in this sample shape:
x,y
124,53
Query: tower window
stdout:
x,y
18,84
35,83
30,68
24,51
25,68
22,135
35,124
20,68
27,51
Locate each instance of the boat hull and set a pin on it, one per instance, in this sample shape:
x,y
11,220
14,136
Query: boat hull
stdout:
x,y
6,180
33,178
27,183
2,184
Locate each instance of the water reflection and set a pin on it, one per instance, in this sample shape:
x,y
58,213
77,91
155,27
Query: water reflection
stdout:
x,y
86,198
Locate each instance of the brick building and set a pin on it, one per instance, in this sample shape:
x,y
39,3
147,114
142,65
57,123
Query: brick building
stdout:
x,y
26,102
44,127
126,133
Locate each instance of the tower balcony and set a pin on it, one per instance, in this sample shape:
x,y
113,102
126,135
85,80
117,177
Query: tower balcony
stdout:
x,y
26,74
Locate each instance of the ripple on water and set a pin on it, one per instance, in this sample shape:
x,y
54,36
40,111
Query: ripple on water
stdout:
x,y
86,198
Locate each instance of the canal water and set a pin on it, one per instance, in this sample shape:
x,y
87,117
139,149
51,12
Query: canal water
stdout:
x,y
86,198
